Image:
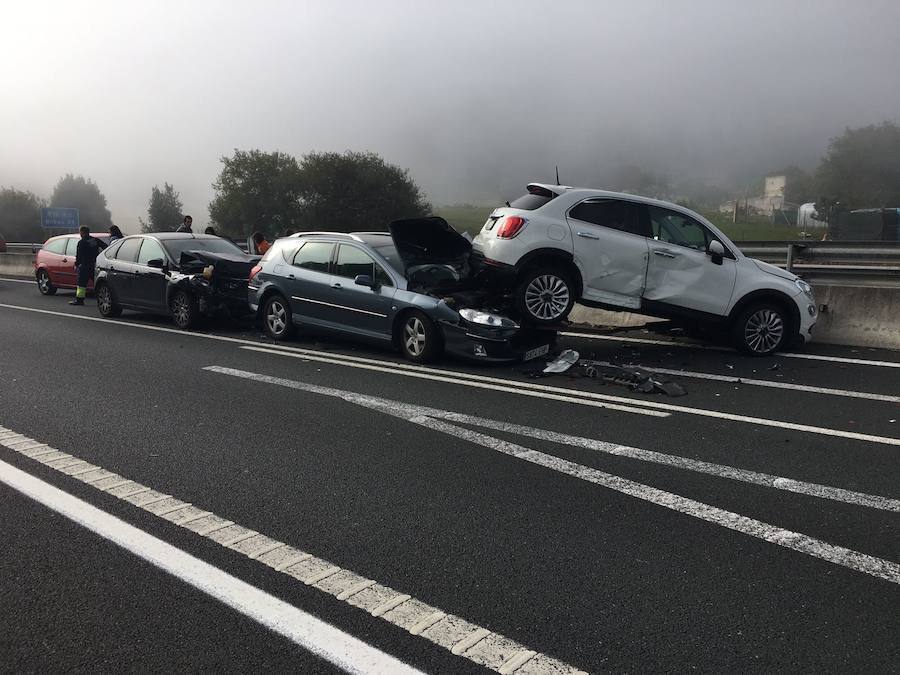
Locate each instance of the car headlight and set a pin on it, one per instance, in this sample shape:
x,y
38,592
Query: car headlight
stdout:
x,y
806,288
486,318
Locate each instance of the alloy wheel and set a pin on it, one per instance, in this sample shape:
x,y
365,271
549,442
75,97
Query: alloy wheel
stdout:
x,y
414,336
763,331
276,317
104,299
547,297
44,282
181,309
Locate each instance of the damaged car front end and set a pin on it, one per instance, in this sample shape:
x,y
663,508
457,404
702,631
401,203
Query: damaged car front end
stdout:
x,y
217,281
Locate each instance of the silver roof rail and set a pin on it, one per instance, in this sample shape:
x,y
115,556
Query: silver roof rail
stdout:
x,y
348,235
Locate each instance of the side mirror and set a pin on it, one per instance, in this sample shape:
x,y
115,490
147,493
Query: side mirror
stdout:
x,y
365,280
716,252
156,263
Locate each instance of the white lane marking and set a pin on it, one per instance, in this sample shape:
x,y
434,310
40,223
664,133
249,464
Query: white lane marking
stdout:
x,y
467,382
797,541
19,281
322,639
720,470
790,355
774,385
347,586
523,388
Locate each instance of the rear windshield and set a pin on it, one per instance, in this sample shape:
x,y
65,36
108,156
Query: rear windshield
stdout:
x,y
535,199
176,247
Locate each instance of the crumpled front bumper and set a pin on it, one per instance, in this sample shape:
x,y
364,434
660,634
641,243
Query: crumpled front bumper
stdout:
x,y
494,345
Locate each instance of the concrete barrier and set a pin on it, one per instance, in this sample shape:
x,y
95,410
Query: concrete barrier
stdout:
x,y
17,265
858,316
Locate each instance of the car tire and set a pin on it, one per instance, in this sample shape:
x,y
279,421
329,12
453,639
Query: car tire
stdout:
x,y
419,338
545,295
45,286
106,303
277,319
184,310
761,329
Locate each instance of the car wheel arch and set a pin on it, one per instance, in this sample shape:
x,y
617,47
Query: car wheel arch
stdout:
x,y
553,256
768,295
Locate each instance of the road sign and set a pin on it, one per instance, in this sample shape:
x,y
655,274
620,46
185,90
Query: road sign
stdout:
x,y
54,218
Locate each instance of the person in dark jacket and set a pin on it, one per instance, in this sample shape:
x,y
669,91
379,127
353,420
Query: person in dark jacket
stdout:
x,y
114,233
186,225
85,259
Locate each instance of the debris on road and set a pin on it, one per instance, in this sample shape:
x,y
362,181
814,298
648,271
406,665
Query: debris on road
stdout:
x,y
633,377
563,362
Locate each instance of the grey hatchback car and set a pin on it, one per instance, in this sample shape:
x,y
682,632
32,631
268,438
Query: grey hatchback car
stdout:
x,y
411,288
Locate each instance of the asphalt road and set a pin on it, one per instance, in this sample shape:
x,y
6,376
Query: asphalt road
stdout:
x,y
603,529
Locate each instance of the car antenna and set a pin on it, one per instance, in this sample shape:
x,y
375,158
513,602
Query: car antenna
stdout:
x,y
557,175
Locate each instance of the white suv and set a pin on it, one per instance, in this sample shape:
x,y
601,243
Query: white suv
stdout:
x,y
557,244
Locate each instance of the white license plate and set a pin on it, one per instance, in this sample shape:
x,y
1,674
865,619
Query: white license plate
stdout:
x,y
536,352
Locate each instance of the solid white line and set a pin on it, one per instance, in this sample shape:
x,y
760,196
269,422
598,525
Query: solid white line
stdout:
x,y
408,410
860,562
19,281
790,355
580,396
463,382
326,641
774,385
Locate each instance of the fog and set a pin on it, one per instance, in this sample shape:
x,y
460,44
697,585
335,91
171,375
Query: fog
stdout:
x,y
474,98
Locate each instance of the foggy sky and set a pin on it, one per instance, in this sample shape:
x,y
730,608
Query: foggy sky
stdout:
x,y
475,98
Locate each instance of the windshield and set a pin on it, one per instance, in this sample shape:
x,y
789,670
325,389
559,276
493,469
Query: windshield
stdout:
x,y
389,253
176,247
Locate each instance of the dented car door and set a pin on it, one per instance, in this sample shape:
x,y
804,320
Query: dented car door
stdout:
x,y
681,272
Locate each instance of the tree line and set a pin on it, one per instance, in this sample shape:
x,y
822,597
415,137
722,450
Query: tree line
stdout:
x,y
275,192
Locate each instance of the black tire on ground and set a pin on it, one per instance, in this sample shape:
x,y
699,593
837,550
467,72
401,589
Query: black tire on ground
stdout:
x,y
419,338
545,295
106,303
762,329
45,286
184,309
277,320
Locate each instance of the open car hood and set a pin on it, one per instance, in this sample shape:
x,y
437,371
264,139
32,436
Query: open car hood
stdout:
x,y
226,264
428,240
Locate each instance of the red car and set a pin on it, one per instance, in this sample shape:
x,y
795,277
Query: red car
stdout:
x,y
54,264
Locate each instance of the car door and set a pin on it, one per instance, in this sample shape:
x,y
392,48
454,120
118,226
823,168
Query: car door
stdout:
x,y
308,279
66,270
362,310
122,277
680,272
149,283
610,250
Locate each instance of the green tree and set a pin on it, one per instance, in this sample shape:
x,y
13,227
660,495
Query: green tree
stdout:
x,y
77,192
164,210
861,169
356,191
20,215
257,191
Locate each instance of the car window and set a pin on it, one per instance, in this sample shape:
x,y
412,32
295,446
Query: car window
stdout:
x,y
353,261
57,246
534,199
150,250
611,213
71,246
672,227
128,250
314,255
110,252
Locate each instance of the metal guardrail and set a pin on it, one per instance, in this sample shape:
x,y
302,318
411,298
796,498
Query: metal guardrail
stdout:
x,y
840,263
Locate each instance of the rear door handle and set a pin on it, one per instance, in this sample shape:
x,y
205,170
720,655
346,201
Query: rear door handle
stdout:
x,y
588,235
664,253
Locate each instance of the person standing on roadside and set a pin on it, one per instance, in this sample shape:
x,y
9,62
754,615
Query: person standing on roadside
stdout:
x,y
260,243
186,225
85,259
114,233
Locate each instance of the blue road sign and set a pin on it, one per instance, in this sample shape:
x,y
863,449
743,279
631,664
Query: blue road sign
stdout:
x,y
54,218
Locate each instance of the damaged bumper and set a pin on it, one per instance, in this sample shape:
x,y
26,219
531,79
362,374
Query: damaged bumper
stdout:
x,y
496,345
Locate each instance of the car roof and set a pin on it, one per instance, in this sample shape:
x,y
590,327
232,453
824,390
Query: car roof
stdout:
x,y
167,236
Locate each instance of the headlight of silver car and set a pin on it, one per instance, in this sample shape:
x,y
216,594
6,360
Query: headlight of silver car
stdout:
x,y
806,288
486,318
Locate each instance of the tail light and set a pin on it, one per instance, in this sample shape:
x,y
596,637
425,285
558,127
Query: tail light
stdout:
x,y
256,270
510,226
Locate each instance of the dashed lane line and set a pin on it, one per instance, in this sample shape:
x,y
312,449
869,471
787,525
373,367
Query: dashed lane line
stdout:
x,y
492,650
715,348
522,387
322,639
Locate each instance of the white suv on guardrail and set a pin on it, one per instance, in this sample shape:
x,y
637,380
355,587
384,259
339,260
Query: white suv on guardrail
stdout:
x,y
557,244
